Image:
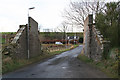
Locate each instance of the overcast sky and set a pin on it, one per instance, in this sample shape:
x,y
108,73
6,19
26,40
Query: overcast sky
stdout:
x,y
47,13
14,12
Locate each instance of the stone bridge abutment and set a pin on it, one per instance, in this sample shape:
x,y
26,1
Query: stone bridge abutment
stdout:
x,y
94,44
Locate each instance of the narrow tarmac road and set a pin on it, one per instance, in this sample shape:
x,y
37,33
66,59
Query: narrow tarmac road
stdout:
x,y
65,65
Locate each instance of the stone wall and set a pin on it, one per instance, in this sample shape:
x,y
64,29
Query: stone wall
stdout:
x,y
94,45
19,45
35,46
86,37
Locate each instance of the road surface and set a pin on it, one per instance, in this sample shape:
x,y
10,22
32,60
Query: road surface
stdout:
x,y
65,65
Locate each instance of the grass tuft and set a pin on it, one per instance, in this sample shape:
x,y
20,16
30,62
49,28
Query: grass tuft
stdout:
x,y
110,67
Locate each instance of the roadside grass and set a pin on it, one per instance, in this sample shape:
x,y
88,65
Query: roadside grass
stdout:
x,y
109,67
12,64
85,58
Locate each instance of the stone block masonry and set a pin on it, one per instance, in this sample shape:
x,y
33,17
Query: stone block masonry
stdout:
x,y
20,42
19,48
94,45
34,44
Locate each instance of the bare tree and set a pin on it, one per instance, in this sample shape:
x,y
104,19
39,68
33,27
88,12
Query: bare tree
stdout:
x,y
78,11
63,28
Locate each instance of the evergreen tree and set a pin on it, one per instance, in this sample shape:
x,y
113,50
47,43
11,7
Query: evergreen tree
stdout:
x,y
107,23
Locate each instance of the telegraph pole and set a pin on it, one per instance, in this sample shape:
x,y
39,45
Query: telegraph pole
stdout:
x,y
28,51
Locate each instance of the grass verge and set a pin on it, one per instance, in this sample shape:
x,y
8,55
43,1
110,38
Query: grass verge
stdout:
x,y
12,64
109,67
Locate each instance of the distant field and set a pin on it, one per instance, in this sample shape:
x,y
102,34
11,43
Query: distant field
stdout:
x,y
7,33
68,34
59,35
47,35
51,33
